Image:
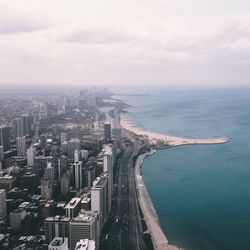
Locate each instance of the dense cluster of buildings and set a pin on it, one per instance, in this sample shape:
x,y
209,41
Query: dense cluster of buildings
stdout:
x,y
56,182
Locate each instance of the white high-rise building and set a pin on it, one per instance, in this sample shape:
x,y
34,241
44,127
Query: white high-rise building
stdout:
x,y
107,159
2,203
99,197
76,156
77,168
31,154
21,146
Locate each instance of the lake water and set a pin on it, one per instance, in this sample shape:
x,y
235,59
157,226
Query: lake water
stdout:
x,y
201,192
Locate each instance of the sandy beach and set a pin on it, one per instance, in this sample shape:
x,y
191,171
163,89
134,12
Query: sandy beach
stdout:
x,y
157,138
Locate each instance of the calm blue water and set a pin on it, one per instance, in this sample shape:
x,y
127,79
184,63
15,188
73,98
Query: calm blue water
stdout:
x,y
201,192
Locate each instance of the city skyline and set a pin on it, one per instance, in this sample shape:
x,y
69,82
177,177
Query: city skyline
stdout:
x,y
149,42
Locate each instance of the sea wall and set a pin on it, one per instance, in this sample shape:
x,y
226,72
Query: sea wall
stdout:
x,y
159,239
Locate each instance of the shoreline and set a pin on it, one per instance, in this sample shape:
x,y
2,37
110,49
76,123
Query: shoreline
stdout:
x,y
158,237
157,141
168,140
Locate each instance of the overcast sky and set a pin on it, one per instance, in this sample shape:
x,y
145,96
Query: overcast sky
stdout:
x,y
177,42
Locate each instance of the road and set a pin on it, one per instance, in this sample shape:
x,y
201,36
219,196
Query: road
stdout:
x,y
123,230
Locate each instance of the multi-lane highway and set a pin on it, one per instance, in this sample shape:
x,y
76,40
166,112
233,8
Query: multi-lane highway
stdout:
x,y
123,230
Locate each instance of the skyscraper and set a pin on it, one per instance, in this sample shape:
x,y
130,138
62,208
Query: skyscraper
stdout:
x,y
77,169
2,203
99,197
26,124
21,146
46,189
5,137
117,134
49,172
17,124
1,153
107,132
73,144
76,156
31,154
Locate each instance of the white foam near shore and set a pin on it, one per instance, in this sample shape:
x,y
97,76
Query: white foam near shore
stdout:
x,y
168,139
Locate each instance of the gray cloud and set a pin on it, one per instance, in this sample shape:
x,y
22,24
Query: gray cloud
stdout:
x,y
14,21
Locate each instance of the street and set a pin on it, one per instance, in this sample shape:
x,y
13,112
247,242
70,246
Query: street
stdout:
x,y
123,229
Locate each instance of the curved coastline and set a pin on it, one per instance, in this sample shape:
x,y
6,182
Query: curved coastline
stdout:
x,y
159,141
169,140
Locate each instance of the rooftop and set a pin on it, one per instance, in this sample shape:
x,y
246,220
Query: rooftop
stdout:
x,y
58,241
57,218
73,203
99,182
85,244
84,217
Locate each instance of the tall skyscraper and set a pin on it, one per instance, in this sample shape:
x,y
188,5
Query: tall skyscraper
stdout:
x,y
107,132
1,153
31,154
43,141
73,144
65,183
117,134
76,156
3,209
49,172
77,170
26,124
84,226
108,159
5,137
21,146
62,165
18,130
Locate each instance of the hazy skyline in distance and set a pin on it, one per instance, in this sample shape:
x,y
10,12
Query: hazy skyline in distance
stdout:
x,y
118,42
